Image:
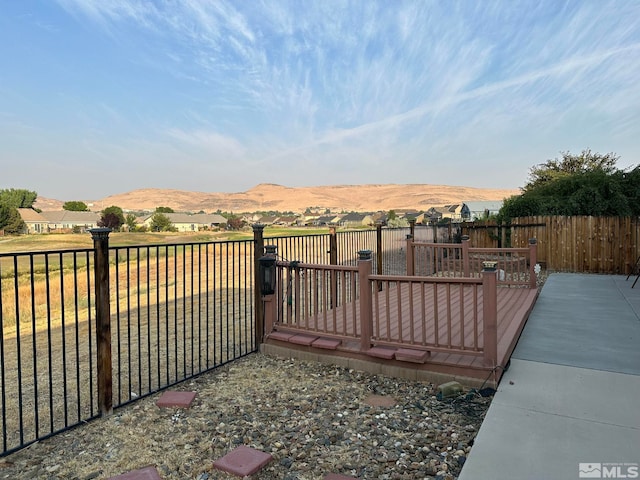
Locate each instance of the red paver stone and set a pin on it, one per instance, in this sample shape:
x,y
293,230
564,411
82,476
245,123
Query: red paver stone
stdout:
x,y
326,343
411,355
243,461
337,476
173,399
302,339
380,401
381,352
282,336
147,473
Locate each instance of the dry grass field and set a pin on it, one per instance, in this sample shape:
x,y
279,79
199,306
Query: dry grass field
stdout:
x,y
177,309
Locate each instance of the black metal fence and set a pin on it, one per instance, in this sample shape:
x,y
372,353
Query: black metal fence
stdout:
x,y
174,312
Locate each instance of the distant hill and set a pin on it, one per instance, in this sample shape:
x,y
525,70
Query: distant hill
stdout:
x,y
266,197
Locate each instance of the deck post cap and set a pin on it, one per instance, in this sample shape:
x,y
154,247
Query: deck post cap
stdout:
x,y
364,254
489,265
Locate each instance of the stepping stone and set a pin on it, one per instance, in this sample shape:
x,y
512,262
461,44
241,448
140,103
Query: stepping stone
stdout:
x,y
282,336
302,339
382,352
337,476
411,355
380,401
243,461
174,399
147,473
326,343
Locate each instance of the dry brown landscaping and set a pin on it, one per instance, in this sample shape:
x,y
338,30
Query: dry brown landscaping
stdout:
x,y
312,418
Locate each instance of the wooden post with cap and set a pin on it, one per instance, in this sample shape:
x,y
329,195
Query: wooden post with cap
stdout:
x,y
490,313
100,238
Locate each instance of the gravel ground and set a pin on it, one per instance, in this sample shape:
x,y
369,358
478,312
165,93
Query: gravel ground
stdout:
x,y
312,418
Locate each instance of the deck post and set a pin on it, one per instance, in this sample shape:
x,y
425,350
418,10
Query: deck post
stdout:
x,y
268,286
466,266
412,227
100,238
269,312
490,313
533,260
410,265
258,249
366,311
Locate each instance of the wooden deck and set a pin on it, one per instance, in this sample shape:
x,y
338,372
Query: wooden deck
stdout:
x,y
441,335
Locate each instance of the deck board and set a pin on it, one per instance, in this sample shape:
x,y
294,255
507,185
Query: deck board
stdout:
x,y
392,307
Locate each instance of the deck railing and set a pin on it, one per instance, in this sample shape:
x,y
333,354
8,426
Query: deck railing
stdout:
x,y
417,312
317,298
515,266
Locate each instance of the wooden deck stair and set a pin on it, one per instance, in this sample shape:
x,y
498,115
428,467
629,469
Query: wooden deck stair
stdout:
x,y
401,354
304,339
387,353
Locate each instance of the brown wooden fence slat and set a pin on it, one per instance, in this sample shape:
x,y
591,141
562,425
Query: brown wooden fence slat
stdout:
x,y
581,244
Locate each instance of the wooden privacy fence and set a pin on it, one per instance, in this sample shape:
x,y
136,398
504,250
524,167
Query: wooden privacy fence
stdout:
x,y
580,244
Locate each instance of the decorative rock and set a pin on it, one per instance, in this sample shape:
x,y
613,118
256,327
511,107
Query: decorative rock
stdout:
x,y
313,418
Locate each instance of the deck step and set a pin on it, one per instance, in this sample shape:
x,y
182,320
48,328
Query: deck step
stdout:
x,y
326,343
282,336
411,355
382,352
301,339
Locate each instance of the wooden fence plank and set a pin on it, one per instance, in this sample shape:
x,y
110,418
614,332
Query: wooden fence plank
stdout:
x,y
581,244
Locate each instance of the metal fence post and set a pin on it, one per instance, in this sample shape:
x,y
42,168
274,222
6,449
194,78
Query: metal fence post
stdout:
x,y
466,265
103,319
333,246
366,310
333,260
533,260
258,249
410,261
379,248
490,313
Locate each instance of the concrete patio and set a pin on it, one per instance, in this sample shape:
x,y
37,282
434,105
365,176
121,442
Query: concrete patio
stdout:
x,y
567,407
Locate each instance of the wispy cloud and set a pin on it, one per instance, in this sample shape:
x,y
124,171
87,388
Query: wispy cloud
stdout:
x,y
371,86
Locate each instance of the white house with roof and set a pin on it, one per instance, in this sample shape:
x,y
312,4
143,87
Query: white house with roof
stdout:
x,y
65,220
475,210
34,221
185,222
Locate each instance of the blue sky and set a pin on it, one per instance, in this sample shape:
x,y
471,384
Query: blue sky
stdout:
x,y
99,97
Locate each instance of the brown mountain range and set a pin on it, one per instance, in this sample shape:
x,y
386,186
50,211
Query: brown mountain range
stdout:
x,y
270,197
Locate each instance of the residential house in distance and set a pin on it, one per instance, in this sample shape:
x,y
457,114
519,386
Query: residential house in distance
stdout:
x,y
453,212
34,221
418,217
355,219
476,210
63,221
185,222
326,220
265,219
285,220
